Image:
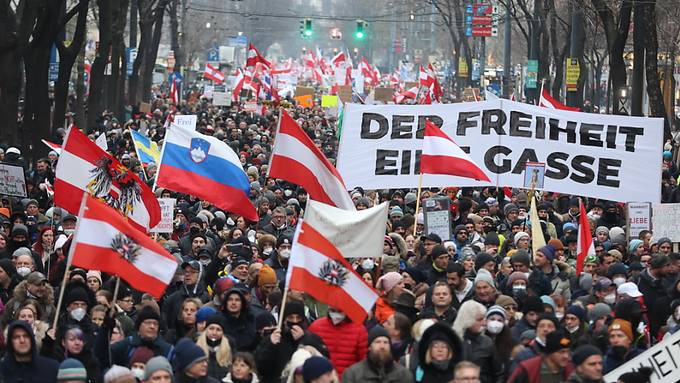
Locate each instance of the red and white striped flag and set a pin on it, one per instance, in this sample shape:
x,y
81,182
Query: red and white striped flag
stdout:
x,y
84,167
409,94
547,101
319,269
424,78
213,74
174,92
338,59
105,240
52,146
238,85
296,159
255,57
584,244
443,156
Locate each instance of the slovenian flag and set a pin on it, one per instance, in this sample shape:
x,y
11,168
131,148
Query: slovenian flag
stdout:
x,y
207,168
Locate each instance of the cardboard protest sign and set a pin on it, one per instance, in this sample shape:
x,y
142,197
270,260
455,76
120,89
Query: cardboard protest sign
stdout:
x,y
329,101
12,180
662,358
167,213
384,94
665,222
187,121
605,156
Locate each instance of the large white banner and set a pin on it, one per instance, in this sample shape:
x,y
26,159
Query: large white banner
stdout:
x,y
605,156
663,358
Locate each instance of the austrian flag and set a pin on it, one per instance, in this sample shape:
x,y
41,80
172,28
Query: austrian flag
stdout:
x,y
317,268
105,241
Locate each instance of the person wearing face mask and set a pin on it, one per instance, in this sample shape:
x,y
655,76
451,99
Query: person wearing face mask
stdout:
x,y
604,290
77,301
34,287
470,326
279,259
650,284
621,348
347,341
576,325
217,346
545,324
498,329
276,350
617,272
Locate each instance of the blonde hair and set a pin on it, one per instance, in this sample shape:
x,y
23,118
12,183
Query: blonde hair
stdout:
x,y
223,354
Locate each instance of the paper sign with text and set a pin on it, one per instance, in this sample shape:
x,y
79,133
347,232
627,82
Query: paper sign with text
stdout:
x,y
167,213
187,121
12,181
638,218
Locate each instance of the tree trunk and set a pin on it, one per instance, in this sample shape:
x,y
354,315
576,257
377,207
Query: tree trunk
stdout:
x,y
79,107
149,62
175,35
10,76
96,98
116,81
656,104
145,8
637,85
67,57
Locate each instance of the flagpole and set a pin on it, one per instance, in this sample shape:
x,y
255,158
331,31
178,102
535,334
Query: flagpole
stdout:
x,y
134,144
283,307
115,297
68,261
278,128
160,159
420,187
540,94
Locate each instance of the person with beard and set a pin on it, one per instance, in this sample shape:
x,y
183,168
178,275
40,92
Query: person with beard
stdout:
x,y
379,365
621,348
196,228
21,362
278,226
217,346
650,284
192,287
276,350
35,287
461,287
439,350
72,344
346,340
147,334
228,252
239,320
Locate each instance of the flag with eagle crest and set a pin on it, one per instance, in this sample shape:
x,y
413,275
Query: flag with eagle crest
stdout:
x,y
106,241
84,167
318,268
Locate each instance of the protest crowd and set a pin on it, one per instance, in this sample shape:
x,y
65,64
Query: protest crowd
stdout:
x,y
485,305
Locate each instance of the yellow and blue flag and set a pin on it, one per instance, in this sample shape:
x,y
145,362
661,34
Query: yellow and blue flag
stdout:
x,y
147,150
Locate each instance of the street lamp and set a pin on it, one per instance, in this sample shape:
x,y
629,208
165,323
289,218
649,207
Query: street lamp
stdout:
x,y
623,98
207,25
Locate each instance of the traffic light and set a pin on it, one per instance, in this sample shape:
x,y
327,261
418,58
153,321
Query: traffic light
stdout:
x,y
360,32
306,28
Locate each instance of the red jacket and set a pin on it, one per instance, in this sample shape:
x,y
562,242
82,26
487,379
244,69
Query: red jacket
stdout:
x,y
529,371
347,342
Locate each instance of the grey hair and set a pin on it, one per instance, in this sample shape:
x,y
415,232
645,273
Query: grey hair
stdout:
x,y
467,316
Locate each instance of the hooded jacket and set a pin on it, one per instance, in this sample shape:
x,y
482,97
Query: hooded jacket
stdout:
x,y
430,372
38,370
347,341
240,328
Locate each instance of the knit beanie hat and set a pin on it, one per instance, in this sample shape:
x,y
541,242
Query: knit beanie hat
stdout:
x,y
483,275
482,259
141,355
492,239
266,276
217,319
157,363
314,367
71,370
556,244
633,245
294,307
617,236
521,256
264,319
187,353
623,325
556,341
534,304
8,267
147,312
584,352
417,275
516,276
495,309
549,252
389,280
94,274
119,374
577,311
520,235
437,251
602,229
204,313
377,332
599,310
76,294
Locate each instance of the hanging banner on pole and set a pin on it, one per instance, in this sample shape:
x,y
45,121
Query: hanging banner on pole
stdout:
x,y
573,73
601,156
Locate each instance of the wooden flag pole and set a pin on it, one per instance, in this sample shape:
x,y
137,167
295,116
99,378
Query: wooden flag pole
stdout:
x,y
420,188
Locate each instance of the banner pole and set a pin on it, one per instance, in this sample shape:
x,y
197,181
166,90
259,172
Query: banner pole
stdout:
x,y
420,188
115,297
283,308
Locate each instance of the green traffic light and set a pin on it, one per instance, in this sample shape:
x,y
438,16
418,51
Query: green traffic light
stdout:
x,y
308,32
359,35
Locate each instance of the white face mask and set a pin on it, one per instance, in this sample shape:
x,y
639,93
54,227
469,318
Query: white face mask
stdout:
x,y
139,373
610,299
267,250
336,317
559,315
494,326
619,281
367,264
23,271
69,231
285,253
572,329
78,314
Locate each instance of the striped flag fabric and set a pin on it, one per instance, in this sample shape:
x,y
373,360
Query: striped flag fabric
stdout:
x,y
84,167
584,245
207,168
296,159
213,74
105,241
319,269
443,156
52,146
255,57
547,101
